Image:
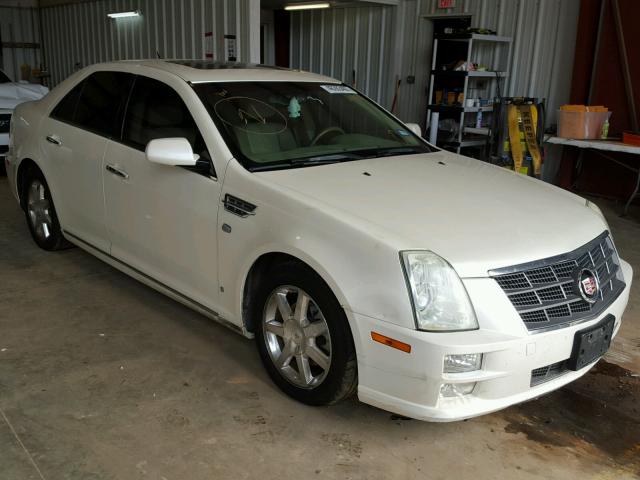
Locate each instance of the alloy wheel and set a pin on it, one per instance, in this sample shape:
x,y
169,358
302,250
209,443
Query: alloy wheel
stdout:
x,y
39,210
297,336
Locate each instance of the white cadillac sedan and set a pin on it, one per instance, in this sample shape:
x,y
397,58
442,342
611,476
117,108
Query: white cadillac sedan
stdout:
x,y
291,208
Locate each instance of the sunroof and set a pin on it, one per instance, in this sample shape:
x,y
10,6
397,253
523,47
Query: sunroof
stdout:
x,y
216,65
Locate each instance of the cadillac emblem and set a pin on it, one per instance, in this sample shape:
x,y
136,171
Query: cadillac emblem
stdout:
x,y
587,285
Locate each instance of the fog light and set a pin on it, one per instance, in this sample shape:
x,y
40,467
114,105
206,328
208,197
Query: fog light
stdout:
x,y
467,362
457,389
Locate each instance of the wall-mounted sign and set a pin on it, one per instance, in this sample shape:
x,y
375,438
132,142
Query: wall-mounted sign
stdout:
x,y
208,44
230,48
446,3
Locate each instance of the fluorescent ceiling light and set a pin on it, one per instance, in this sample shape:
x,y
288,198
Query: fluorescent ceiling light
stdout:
x,y
133,13
306,6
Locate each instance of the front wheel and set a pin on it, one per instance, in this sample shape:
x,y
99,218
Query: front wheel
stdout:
x,y
303,337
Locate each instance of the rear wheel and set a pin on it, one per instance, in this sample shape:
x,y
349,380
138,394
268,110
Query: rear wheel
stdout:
x,y
303,336
41,213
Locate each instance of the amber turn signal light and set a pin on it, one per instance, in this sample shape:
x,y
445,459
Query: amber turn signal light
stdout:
x,y
390,342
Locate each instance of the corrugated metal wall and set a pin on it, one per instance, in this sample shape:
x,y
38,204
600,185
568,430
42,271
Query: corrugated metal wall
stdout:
x,y
78,35
19,25
378,43
543,31
342,41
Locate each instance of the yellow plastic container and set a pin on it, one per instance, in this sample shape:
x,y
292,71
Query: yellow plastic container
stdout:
x,y
581,122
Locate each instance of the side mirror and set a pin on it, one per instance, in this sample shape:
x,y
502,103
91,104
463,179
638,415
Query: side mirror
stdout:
x,y
415,128
171,151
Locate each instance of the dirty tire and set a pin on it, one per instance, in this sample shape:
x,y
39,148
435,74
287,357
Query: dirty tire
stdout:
x,y
341,378
55,239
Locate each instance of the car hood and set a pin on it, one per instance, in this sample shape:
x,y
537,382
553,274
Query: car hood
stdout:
x,y
15,93
477,216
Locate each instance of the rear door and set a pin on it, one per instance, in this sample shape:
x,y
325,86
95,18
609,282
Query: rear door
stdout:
x,y
162,219
74,139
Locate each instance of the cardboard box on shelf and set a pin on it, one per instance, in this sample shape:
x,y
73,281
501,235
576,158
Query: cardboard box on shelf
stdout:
x,y
582,121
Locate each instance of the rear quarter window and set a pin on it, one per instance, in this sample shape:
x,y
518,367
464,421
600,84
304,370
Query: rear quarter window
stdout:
x,y
66,108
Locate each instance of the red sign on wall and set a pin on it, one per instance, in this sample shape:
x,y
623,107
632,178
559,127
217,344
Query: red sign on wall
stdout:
x,y
446,3
208,44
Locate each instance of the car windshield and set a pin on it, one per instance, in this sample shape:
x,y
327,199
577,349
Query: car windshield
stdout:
x,y
271,125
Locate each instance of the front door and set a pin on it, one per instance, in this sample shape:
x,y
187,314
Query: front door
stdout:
x,y
162,219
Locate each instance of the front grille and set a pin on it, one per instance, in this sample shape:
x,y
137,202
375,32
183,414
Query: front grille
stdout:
x,y
544,292
545,374
5,122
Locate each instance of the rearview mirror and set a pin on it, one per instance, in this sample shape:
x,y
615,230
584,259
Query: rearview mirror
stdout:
x,y
415,128
171,151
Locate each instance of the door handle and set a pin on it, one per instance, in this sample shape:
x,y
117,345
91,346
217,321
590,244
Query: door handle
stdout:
x,y
54,139
116,171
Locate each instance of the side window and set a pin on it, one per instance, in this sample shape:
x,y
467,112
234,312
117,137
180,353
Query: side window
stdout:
x,y
156,111
102,102
66,108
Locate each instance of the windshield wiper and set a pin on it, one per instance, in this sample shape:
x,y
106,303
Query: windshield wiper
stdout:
x,y
302,161
323,159
388,151
340,157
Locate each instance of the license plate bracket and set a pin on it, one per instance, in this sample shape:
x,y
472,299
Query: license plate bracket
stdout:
x,y
591,343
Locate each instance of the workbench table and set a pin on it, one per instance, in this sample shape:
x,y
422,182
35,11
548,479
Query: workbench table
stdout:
x,y
601,146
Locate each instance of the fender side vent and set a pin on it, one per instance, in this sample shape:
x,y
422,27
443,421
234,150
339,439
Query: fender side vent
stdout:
x,y
237,206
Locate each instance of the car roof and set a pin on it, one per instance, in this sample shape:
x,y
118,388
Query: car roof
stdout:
x,y
202,71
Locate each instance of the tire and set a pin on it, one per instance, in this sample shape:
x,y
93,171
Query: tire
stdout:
x,y
40,213
324,328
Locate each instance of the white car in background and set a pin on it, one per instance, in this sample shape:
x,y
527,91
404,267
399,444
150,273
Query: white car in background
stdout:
x,y
11,95
292,208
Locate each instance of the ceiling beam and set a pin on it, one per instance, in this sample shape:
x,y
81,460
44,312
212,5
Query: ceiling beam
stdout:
x,y
54,3
382,2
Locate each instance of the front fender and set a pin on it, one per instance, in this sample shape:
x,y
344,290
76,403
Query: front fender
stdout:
x,y
303,256
308,260
362,269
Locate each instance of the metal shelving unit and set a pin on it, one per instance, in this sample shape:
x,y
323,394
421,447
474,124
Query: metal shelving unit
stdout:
x,y
467,136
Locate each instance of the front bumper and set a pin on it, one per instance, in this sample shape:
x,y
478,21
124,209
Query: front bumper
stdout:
x,y
409,383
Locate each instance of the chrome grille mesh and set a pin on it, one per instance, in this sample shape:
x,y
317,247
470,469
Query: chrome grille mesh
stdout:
x,y
545,292
552,293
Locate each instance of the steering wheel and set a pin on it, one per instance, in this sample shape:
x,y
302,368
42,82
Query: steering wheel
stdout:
x,y
325,132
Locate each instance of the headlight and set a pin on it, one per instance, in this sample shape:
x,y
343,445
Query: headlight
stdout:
x,y
596,209
440,301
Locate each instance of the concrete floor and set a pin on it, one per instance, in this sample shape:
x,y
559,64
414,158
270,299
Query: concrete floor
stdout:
x,y
101,377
